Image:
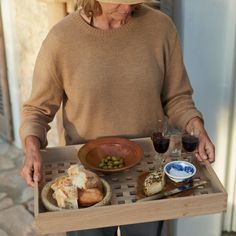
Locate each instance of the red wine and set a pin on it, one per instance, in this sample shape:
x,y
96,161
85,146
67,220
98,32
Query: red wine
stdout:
x,y
190,142
160,142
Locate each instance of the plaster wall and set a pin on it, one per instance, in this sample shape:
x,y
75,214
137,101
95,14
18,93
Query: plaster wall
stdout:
x,y
207,29
25,24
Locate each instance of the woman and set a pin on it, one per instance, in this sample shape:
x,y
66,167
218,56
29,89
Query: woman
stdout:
x,y
117,68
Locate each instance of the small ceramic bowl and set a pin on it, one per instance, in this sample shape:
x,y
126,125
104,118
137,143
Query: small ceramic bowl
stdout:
x,y
179,171
51,204
93,152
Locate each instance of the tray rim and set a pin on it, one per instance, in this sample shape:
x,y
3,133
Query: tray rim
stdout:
x,y
47,222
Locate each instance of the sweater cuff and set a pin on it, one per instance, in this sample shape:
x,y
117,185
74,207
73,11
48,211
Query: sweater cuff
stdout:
x,y
34,130
182,121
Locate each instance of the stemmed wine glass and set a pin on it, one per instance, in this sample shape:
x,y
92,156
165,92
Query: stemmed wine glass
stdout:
x,y
190,142
161,141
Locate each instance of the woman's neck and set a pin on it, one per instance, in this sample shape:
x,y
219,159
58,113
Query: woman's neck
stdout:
x,y
104,22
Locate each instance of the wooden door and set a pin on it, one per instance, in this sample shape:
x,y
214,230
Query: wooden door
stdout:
x,y
5,107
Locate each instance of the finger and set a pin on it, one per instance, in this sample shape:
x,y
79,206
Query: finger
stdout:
x,y
29,180
211,153
37,171
25,170
198,157
201,151
27,174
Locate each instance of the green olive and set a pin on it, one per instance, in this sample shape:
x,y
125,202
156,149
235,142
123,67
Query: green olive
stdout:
x,y
116,162
111,162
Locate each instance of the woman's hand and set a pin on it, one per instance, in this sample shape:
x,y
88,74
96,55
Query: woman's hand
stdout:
x,y
31,170
206,149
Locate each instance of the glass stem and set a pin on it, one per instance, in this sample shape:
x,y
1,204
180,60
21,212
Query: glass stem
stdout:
x,y
190,157
161,161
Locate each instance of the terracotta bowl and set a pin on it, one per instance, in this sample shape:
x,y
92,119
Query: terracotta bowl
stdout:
x,y
50,203
94,151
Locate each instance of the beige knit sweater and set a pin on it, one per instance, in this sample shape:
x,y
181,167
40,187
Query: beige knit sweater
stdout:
x,y
115,82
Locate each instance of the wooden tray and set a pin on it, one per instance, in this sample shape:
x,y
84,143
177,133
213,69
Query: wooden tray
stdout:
x,y
208,199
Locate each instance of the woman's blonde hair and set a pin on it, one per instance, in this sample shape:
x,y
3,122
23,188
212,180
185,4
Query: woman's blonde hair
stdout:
x,y
91,8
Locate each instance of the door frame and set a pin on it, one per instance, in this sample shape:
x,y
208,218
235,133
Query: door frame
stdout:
x,y
6,128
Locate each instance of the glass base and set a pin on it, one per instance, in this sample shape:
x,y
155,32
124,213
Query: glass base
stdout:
x,y
159,161
189,157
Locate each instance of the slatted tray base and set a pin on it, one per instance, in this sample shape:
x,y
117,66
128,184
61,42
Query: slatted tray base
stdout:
x,y
125,187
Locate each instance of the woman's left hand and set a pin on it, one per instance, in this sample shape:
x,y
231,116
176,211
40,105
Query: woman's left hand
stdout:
x,y
205,149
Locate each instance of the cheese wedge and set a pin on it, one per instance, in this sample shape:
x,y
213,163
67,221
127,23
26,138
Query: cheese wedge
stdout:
x,y
154,182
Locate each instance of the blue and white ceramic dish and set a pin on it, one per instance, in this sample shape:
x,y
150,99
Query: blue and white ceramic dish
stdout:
x,y
179,171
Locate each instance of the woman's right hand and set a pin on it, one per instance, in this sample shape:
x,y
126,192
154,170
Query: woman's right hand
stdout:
x,y
31,169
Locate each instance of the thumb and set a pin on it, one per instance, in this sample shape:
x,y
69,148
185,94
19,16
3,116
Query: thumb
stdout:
x,y
37,172
36,178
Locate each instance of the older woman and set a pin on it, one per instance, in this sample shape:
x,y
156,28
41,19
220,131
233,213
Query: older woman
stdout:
x,y
116,66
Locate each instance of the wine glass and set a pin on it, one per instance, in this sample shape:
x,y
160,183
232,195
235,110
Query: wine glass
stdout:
x,y
161,141
190,142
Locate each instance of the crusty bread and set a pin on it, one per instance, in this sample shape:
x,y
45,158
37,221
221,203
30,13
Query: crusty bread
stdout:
x,y
84,179
154,183
66,197
89,197
62,182
79,186
75,170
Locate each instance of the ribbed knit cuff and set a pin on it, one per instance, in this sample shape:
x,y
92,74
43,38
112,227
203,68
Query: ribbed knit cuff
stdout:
x,y
33,129
182,121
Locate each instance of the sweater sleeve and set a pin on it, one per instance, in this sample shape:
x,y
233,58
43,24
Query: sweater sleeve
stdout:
x,y
45,99
177,91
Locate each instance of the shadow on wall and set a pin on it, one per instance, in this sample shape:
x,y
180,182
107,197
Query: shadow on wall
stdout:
x,y
178,17
167,6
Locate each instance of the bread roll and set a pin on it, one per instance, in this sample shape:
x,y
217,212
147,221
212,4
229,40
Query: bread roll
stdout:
x,y
154,183
80,186
84,179
89,197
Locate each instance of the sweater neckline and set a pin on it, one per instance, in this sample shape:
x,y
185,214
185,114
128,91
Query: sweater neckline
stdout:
x,y
129,26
